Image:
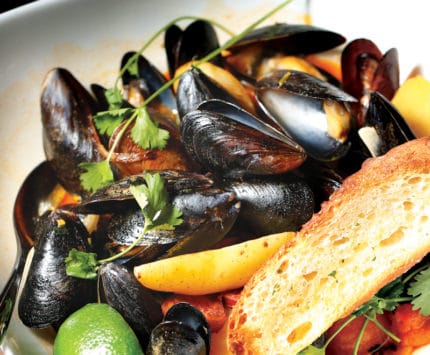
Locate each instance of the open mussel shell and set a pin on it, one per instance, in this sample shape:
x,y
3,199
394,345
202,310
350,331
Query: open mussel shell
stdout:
x,y
365,68
207,217
115,197
291,38
274,204
208,214
184,330
138,305
49,294
194,42
313,112
277,40
230,142
69,135
147,80
195,87
384,127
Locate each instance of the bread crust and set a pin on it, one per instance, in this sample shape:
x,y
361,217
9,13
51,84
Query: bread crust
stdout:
x,y
390,198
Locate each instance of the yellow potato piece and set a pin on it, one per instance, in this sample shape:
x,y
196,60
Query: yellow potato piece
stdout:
x,y
412,100
210,271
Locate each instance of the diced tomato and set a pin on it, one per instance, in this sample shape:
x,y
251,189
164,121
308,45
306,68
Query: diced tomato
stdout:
x,y
229,298
412,328
210,305
344,342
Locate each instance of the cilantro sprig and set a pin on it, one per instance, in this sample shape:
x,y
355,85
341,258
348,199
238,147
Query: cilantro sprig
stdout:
x,y
145,133
414,287
153,199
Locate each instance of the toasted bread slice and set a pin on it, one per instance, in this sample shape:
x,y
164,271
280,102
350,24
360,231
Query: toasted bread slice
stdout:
x,y
372,230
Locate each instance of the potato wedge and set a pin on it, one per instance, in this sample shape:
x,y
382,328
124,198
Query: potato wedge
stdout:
x,y
412,100
210,271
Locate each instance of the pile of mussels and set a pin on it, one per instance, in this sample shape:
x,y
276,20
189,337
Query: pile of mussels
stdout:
x,y
253,149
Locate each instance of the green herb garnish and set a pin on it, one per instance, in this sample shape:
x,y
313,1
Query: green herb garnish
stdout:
x,y
145,134
153,200
414,287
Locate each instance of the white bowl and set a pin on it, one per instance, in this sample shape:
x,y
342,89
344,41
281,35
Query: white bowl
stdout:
x,y
90,36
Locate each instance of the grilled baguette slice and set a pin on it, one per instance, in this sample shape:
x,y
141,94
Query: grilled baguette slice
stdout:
x,y
373,229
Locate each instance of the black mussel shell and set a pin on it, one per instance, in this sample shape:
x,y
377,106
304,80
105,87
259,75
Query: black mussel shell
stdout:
x,y
384,127
171,337
207,217
184,330
195,87
230,142
148,80
49,294
273,205
194,42
117,196
291,39
313,112
187,314
69,135
138,305
247,55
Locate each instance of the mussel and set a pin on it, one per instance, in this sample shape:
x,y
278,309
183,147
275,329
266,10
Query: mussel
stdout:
x,y
145,82
273,204
249,54
69,134
366,69
207,82
194,42
138,305
384,127
49,294
184,330
208,214
230,142
314,113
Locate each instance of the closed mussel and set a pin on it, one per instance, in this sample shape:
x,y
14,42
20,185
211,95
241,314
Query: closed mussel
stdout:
x,y
138,305
49,294
69,134
184,330
228,141
273,204
313,112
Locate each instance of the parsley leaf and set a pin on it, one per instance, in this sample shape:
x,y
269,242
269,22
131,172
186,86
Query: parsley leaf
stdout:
x,y
133,66
96,175
312,350
114,98
153,199
146,133
107,121
81,264
420,290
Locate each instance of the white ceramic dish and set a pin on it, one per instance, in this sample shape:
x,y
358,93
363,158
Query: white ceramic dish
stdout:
x,y
89,37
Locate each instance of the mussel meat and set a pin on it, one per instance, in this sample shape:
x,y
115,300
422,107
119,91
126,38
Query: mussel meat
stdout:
x,y
314,113
265,43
